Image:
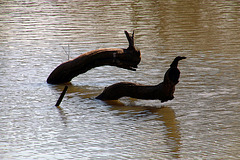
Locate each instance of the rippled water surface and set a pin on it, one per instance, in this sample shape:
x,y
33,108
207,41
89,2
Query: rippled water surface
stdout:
x,y
201,122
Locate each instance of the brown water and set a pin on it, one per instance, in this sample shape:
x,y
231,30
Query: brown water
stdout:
x,y
202,122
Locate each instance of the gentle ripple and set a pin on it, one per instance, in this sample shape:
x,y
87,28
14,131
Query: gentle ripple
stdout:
x,y
202,122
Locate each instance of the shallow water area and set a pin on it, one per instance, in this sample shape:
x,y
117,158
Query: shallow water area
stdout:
x,y
201,122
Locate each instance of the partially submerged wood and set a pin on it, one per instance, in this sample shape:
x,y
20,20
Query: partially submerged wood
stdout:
x,y
124,58
61,96
163,91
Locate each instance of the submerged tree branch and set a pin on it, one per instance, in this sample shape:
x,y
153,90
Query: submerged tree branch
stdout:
x,y
124,58
163,91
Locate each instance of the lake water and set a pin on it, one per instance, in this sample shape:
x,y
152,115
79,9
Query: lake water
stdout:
x,y
201,122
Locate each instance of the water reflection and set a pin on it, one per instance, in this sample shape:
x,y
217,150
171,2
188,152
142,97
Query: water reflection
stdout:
x,y
75,90
164,114
62,115
131,112
206,100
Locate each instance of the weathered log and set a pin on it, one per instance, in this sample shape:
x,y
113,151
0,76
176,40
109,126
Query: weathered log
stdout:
x,y
163,91
124,58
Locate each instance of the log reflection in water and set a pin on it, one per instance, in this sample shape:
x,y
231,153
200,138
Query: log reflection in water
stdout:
x,y
164,114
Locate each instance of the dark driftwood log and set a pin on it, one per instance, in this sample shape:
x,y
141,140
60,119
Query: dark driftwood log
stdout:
x,y
124,58
163,91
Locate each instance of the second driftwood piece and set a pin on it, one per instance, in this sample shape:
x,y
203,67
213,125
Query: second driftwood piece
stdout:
x,y
124,58
163,91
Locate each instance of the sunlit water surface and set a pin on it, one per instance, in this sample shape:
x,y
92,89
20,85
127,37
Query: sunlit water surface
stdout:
x,y
202,122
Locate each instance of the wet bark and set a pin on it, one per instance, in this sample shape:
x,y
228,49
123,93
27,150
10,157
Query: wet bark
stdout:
x,y
124,58
163,91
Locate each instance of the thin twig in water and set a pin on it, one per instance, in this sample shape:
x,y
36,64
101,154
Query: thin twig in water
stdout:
x,y
67,52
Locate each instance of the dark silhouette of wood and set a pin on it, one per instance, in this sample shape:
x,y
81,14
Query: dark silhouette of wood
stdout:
x,y
163,91
61,96
124,58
